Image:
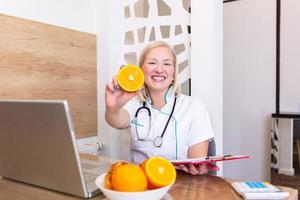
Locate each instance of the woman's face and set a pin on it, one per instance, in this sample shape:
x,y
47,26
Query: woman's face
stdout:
x,y
158,69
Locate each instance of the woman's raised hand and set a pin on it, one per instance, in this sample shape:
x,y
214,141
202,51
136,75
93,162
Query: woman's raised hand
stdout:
x,y
115,97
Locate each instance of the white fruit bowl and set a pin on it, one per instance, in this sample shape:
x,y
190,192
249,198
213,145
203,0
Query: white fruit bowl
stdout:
x,y
155,194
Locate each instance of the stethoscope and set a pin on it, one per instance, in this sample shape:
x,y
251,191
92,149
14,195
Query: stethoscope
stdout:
x,y
157,142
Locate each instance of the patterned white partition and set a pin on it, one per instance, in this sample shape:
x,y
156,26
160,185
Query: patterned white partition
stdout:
x,y
167,20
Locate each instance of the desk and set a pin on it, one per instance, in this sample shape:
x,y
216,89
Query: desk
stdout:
x,y
186,187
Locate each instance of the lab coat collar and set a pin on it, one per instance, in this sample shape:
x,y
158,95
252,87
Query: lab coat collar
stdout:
x,y
169,96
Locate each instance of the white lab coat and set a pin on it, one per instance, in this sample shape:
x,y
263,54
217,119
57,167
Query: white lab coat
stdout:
x,y
189,125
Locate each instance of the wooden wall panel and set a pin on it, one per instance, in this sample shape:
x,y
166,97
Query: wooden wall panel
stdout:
x,y
41,61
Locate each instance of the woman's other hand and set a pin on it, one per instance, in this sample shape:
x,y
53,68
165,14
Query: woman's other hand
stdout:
x,y
198,169
196,151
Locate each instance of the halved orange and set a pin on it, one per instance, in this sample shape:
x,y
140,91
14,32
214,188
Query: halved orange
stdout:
x,y
160,172
130,78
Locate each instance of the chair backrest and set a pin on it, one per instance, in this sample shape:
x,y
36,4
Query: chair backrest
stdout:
x,y
211,148
211,152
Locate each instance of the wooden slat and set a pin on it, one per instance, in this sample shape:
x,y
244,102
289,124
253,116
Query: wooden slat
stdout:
x,y
41,61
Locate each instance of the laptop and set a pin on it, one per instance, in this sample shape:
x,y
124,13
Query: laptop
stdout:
x,y
38,146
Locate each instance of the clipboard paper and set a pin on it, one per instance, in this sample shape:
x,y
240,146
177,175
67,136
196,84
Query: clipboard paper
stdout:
x,y
211,159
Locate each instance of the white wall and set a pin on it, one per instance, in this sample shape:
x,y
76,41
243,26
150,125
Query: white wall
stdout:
x,y
207,61
290,59
249,85
109,59
74,14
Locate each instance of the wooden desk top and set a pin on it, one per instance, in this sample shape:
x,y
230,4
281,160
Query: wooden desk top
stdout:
x,y
186,187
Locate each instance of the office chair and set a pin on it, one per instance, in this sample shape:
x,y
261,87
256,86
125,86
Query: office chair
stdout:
x,y
212,152
211,148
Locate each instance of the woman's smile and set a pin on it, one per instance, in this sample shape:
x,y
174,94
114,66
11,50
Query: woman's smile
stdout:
x,y
158,78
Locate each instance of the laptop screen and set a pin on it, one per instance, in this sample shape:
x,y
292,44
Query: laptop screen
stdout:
x,y
38,145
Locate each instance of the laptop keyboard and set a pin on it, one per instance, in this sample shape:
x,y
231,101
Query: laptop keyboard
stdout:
x,y
93,169
88,177
89,166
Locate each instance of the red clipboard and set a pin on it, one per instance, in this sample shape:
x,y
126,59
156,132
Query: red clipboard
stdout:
x,y
211,159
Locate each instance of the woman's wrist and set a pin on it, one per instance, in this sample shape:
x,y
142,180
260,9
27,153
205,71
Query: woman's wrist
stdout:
x,y
117,118
113,109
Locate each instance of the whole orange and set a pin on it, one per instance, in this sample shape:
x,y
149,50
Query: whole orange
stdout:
x,y
128,177
107,181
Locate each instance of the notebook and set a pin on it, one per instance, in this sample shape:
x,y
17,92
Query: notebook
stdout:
x,y
38,146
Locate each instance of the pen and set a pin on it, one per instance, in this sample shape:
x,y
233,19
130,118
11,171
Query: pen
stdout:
x,y
212,157
218,157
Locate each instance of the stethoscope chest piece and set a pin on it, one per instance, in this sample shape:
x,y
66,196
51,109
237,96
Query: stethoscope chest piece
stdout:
x,y
158,141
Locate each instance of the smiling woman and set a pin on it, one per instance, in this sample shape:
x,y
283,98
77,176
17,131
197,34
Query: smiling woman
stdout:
x,y
175,126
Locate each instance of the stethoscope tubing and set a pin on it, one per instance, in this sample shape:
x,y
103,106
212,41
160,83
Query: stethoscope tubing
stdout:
x,y
157,142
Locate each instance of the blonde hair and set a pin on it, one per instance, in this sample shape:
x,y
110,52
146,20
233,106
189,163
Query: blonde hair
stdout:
x,y
144,94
